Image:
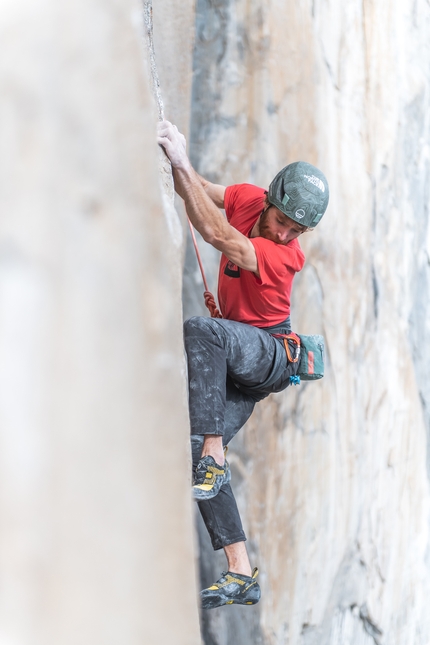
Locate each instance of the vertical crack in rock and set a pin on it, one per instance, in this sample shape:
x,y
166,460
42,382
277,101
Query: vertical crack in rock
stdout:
x,y
375,288
155,83
375,292
369,625
164,163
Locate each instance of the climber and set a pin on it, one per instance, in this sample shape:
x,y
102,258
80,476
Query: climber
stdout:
x,y
239,359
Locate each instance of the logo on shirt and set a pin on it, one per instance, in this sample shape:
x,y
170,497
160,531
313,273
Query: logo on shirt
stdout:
x,y
315,181
232,270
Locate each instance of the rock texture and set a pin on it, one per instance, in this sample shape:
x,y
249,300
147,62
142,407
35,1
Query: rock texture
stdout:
x,y
92,406
338,511
92,388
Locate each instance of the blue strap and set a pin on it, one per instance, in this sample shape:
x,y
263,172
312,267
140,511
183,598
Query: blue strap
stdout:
x,y
295,380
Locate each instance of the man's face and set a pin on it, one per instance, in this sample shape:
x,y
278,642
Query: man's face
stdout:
x,y
279,228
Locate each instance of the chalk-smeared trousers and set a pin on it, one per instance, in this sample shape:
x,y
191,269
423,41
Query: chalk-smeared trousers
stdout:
x,y
231,366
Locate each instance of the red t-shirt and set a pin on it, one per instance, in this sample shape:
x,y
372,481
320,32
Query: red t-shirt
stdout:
x,y
242,296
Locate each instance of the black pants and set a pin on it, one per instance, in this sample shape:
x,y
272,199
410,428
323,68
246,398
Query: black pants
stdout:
x,y
231,366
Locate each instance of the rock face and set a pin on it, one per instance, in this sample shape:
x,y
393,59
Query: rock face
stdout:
x,y
337,512
92,391
93,418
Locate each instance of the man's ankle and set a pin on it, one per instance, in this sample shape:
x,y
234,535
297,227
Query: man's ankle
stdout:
x,y
218,457
237,558
212,446
242,571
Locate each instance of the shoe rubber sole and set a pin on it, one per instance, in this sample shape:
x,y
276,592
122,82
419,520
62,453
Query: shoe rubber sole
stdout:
x,y
212,602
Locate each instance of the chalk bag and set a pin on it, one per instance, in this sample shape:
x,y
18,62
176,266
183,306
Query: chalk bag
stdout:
x,y
311,366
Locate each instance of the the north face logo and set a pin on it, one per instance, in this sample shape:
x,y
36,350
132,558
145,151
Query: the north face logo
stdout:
x,y
315,181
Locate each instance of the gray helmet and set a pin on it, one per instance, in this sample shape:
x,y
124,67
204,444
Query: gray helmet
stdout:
x,y
301,192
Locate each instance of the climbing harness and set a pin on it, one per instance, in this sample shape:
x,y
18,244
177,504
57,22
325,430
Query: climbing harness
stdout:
x,y
209,298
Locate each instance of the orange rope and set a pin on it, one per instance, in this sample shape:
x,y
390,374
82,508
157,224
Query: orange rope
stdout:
x,y
209,299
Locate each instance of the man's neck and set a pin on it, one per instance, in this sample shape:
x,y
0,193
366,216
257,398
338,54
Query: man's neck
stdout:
x,y
255,231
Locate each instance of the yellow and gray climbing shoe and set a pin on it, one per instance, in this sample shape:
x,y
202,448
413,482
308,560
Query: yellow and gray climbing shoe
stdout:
x,y
232,589
209,477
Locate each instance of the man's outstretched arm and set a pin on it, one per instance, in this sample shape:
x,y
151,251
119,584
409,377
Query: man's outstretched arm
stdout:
x,y
201,208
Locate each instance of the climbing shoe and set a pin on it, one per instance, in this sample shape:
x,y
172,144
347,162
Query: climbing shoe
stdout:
x,y
209,477
232,589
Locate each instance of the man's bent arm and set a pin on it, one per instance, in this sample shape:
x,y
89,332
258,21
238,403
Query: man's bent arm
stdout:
x,y
211,224
203,213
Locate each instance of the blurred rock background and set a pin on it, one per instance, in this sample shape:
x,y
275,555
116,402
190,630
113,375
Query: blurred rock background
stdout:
x,y
93,417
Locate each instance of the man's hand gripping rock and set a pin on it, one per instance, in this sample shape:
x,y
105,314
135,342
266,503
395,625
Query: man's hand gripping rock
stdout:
x,y
175,145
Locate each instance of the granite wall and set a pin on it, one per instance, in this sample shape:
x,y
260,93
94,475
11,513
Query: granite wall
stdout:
x,y
332,477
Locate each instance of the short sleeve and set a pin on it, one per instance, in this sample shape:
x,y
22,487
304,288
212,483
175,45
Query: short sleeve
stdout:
x,y
241,198
230,196
270,264
275,260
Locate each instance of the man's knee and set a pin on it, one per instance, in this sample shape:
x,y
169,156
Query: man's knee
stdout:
x,y
197,326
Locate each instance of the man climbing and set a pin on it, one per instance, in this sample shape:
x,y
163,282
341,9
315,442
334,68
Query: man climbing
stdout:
x,y
239,359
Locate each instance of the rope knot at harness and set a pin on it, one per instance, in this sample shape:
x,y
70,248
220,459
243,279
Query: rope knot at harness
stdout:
x,y
211,305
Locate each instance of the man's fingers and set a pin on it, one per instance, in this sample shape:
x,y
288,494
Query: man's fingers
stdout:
x,y
163,141
173,142
166,125
163,127
169,131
